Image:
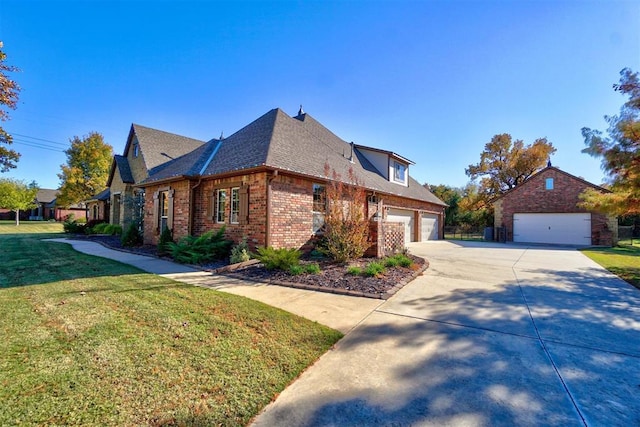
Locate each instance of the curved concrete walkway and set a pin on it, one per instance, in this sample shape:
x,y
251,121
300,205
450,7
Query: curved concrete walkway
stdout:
x,y
490,335
339,312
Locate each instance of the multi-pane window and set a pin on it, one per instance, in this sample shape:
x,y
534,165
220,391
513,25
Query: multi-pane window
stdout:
x,y
163,198
235,205
221,203
319,198
319,206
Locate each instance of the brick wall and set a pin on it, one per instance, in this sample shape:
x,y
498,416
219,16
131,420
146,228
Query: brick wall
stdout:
x,y
532,197
137,164
255,229
291,212
180,211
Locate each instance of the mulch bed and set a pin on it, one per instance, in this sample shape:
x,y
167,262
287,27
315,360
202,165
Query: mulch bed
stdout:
x,y
332,278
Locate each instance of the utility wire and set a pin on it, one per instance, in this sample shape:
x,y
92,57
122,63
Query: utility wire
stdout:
x,y
39,139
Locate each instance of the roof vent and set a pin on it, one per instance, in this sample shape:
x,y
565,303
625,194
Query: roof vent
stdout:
x,y
300,111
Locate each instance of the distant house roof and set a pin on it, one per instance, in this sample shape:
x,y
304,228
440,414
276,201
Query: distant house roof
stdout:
x,y
46,195
297,144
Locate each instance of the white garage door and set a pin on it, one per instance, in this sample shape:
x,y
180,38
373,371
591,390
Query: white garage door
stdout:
x,y
406,217
429,227
554,228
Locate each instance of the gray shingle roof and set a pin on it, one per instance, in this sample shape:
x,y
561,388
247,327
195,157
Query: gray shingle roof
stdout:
x,y
122,164
297,144
158,147
102,196
46,195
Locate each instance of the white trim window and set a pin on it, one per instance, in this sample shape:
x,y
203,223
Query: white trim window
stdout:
x,y
319,207
548,184
235,206
399,172
221,203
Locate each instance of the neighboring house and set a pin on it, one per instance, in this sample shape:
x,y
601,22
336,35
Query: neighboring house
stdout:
x,y
267,182
544,209
47,209
145,150
98,207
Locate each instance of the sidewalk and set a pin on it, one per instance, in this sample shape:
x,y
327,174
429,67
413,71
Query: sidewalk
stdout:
x,y
339,312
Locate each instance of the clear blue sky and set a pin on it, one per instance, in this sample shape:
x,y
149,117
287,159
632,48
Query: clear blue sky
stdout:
x,y
431,80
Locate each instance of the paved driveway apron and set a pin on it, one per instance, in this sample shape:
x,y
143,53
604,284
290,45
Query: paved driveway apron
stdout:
x,y
490,335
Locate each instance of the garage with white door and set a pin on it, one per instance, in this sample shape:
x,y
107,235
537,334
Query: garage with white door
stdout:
x,y
552,228
428,227
406,217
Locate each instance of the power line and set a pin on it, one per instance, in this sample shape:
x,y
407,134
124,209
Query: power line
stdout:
x,y
39,139
36,145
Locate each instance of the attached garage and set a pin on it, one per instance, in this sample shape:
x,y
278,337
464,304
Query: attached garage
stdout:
x,y
552,228
405,217
429,227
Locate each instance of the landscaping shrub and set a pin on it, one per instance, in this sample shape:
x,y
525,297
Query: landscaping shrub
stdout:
x,y
280,259
99,228
240,252
398,260
73,226
296,270
204,248
354,270
166,237
346,224
374,269
312,268
132,236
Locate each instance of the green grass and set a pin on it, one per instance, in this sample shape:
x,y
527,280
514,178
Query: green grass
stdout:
x,y
26,227
89,341
623,261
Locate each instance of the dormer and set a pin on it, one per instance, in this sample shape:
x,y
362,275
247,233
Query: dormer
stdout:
x,y
390,165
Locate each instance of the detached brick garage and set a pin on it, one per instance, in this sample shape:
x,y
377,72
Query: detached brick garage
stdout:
x,y
544,209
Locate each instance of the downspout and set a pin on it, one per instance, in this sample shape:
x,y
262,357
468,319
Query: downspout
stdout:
x,y
267,234
192,196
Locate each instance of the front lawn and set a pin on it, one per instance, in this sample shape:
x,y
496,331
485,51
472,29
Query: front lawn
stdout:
x,y
9,227
85,340
623,261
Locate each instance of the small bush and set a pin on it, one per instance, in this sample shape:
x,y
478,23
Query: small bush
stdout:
x,y
312,268
201,249
280,259
132,236
354,270
113,230
166,237
240,252
398,260
99,228
374,269
296,270
73,226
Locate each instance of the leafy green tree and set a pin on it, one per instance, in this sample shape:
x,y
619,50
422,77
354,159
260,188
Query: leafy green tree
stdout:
x,y
9,90
506,163
87,169
451,196
17,196
474,210
620,153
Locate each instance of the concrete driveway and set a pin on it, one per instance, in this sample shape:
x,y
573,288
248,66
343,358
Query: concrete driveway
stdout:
x,y
490,335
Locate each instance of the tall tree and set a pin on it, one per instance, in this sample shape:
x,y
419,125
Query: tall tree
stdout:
x,y
87,169
451,196
9,90
620,153
17,196
505,163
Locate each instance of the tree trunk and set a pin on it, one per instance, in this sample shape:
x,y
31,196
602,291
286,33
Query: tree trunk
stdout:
x,y
17,211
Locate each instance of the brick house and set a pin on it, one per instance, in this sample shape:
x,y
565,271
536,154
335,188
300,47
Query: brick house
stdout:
x,y
47,208
544,209
99,207
267,182
145,150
